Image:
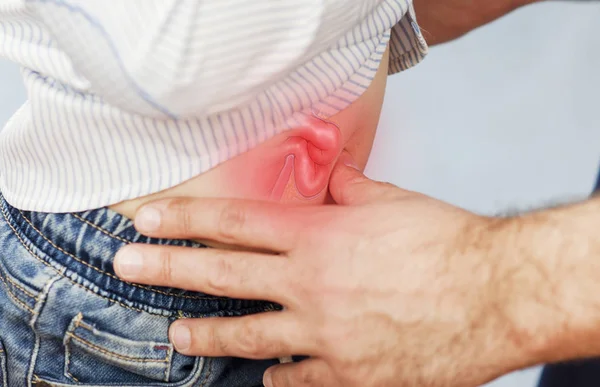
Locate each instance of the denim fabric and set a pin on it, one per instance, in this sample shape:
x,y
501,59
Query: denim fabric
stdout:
x,y
584,373
67,320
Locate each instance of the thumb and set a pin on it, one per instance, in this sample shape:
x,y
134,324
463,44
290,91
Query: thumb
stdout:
x,y
349,186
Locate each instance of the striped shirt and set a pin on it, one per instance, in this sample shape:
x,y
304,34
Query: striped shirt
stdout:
x,y
133,98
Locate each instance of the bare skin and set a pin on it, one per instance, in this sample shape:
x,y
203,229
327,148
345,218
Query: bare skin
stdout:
x,y
389,288
441,21
445,20
257,173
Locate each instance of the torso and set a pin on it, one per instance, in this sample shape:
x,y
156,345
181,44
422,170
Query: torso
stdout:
x,y
254,174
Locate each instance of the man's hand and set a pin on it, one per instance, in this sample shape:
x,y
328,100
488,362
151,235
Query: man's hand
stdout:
x,y
390,288
445,20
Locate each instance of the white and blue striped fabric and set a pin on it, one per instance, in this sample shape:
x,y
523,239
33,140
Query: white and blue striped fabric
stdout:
x,y
131,97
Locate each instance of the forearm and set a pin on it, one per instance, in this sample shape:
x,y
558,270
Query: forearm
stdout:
x,y
445,20
553,268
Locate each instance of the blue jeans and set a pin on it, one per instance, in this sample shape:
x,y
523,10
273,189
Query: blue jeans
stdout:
x,y
584,373
66,319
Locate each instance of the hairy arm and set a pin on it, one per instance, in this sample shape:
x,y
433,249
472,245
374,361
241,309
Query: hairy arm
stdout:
x,y
445,20
552,263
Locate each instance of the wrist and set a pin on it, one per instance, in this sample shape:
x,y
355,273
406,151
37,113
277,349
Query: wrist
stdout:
x,y
550,265
495,282
526,289
510,285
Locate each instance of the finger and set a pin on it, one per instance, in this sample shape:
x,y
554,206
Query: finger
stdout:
x,y
307,373
253,224
211,271
261,336
349,186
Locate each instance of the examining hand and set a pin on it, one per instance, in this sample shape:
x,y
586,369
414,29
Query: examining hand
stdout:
x,y
390,288
445,20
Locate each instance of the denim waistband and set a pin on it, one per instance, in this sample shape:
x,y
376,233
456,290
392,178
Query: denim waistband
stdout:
x,y
81,246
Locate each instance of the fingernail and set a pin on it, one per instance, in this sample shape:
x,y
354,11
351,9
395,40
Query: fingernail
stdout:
x,y
147,219
181,337
129,261
348,160
268,379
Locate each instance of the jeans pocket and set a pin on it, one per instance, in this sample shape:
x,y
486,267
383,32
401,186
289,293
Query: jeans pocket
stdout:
x,y
93,356
3,368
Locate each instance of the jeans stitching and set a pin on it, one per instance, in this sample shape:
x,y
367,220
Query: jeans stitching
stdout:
x,y
34,321
80,324
16,285
14,297
208,371
35,256
111,275
168,367
3,368
68,355
68,360
113,354
102,230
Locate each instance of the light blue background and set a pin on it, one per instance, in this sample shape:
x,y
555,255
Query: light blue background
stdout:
x,y
505,118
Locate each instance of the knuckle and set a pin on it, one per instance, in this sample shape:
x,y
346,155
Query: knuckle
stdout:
x,y
386,190
220,345
384,185
329,337
231,220
308,376
283,378
359,180
213,342
166,266
250,339
221,277
181,209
